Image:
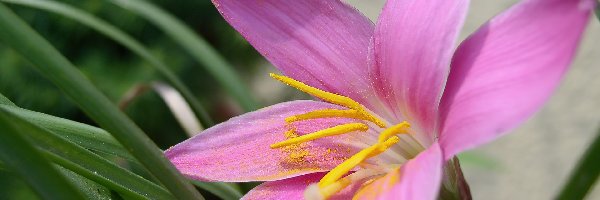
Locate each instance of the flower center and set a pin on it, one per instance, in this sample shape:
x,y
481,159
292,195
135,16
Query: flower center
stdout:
x,y
335,180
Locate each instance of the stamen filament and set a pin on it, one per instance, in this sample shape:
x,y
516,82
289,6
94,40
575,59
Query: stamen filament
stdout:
x,y
339,185
340,170
336,130
401,128
335,187
326,96
325,113
330,97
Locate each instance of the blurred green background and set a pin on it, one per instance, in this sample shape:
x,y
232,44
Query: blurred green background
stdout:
x,y
117,71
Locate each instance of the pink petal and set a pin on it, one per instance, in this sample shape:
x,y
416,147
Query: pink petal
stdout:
x,y
293,188
506,70
239,150
321,43
418,179
413,44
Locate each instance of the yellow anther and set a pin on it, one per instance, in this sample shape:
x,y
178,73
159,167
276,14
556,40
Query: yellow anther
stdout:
x,y
326,96
401,128
325,113
340,170
336,130
331,98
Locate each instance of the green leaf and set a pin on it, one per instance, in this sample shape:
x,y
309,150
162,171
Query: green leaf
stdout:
x,y
99,140
90,189
20,156
226,191
598,10
82,134
124,39
18,35
88,164
6,101
195,46
585,174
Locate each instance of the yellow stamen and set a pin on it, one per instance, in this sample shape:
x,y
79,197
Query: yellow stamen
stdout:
x,y
339,185
401,128
335,180
336,130
326,96
340,170
330,97
325,113
335,187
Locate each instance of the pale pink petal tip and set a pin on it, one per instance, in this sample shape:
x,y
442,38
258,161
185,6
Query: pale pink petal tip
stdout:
x,y
321,43
505,71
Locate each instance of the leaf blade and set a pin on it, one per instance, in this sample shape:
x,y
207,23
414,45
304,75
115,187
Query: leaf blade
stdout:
x,y
585,173
18,35
88,164
21,156
197,47
124,39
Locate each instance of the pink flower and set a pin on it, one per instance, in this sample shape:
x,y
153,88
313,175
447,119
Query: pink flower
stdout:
x,y
407,102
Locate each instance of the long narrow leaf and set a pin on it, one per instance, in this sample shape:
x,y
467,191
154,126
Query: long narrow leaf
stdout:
x,y
17,153
225,191
103,143
196,46
18,35
179,108
88,188
123,39
5,101
585,174
88,164
85,135
128,184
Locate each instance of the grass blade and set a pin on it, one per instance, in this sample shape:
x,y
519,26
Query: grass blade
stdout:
x,y
122,181
225,191
585,174
197,47
6,101
101,141
598,10
21,156
88,164
178,107
18,35
84,135
124,39
88,188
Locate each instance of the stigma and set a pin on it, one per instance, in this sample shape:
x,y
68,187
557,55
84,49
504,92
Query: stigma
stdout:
x,y
337,179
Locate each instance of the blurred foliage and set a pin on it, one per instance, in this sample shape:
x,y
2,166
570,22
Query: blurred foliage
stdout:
x,y
115,70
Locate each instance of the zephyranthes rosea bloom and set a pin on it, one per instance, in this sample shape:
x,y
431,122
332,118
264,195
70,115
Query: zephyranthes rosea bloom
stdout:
x,y
398,101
